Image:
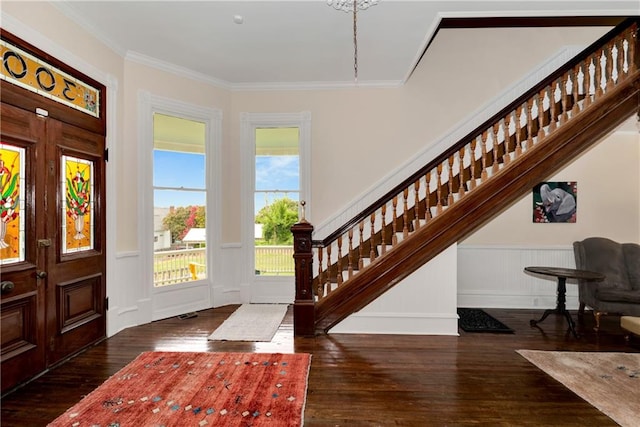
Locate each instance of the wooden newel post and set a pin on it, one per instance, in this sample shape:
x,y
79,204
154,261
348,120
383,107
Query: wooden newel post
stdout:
x,y
303,308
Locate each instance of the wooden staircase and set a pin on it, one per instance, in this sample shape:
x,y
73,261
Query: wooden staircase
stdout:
x,y
467,185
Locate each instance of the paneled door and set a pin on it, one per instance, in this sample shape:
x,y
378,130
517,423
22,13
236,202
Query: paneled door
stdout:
x,y
52,242
75,223
22,304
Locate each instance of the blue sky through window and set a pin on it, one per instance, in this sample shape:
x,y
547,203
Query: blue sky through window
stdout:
x,y
178,169
276,177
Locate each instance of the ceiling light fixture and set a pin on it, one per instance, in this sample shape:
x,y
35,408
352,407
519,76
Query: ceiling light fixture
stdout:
x,y
353,6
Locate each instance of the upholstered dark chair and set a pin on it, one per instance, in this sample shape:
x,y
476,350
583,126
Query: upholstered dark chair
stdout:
x,y
619,292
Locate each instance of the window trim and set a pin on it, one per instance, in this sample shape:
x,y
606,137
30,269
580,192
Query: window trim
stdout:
x,y
249,122
212,118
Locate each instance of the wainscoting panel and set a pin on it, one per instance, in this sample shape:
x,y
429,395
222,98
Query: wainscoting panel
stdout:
x,y
184,298
424,303
124,293
493,276
227,291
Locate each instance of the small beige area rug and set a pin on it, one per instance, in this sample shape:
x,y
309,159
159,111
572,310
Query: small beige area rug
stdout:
x,y
251,322
608,381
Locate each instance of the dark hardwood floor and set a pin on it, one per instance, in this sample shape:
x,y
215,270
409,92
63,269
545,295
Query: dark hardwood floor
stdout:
x,y
365,380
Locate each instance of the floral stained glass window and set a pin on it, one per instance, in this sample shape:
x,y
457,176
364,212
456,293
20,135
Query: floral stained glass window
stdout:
x,y
12,214
78,207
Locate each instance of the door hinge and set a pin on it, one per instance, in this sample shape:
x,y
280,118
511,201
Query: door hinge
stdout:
x,y
106,303
106,154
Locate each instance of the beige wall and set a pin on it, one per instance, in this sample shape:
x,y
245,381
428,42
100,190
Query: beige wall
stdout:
x,y
358,135
167,85
45,19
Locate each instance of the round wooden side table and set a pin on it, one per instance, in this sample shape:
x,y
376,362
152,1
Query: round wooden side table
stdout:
x,y
562,274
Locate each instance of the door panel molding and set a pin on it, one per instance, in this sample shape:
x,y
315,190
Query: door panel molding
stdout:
x,y
19,326
79,302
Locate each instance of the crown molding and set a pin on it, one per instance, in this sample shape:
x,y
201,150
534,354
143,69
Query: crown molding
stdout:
x,y
64,8
175,69
275,86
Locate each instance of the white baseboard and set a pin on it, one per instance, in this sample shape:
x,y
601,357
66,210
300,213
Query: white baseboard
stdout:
x,y
490,300
399,323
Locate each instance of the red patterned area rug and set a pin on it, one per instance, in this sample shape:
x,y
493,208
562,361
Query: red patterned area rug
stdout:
x,y
198,389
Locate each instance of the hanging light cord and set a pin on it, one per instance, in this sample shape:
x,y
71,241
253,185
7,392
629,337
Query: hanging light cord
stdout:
x,y
353,5
355,42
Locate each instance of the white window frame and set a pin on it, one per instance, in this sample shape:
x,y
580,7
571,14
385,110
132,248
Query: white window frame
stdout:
x,y
268,289
168,301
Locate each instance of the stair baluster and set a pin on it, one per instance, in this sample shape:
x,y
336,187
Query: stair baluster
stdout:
x,y
350,257
339,278
472,155
450,180
462,183
416,204
372,252
361,246
495,167
439,188
405,214
383,230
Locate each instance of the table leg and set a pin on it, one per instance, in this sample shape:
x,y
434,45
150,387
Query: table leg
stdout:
x,y
561,307
534,322
572,326
562,292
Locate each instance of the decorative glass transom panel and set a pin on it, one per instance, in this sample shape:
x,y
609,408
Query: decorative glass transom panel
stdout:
x,y
31,73
12,213
77,190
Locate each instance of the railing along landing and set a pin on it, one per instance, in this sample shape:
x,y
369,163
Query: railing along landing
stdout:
x,y
460,171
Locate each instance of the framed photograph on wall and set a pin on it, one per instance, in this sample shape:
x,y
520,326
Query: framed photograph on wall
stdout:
x,y
555,202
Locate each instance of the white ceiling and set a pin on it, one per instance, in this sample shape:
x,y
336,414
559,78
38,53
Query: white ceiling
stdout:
x,y
295,43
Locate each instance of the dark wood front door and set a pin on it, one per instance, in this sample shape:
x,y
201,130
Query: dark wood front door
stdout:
x,y
76,285
22,304
53,260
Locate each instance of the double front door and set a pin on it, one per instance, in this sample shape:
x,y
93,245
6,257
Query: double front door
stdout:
x,y
52,242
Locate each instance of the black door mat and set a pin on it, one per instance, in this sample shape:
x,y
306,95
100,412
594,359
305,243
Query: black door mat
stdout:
x,y
477,320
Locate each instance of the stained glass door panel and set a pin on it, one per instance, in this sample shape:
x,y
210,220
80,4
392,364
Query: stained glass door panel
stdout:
x,y
77,190
12,208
